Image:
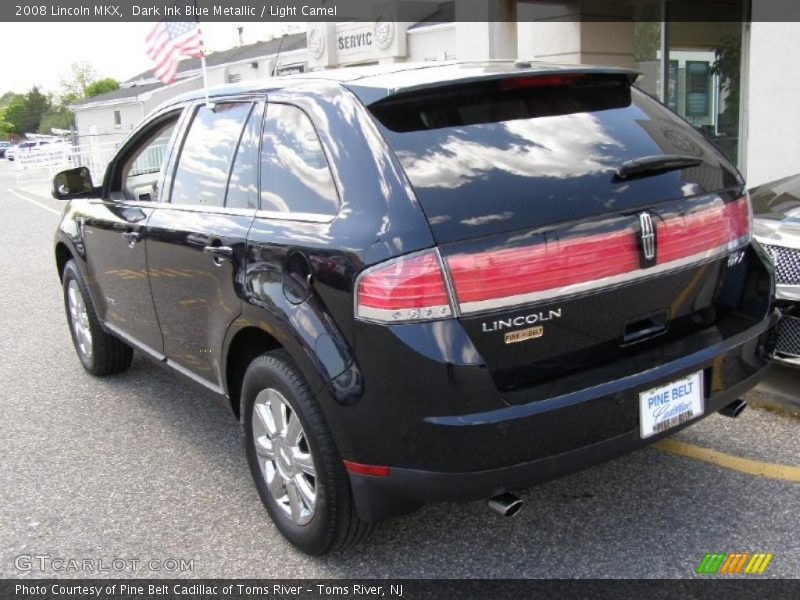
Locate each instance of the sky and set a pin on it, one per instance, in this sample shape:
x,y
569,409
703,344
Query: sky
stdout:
x,y
41,53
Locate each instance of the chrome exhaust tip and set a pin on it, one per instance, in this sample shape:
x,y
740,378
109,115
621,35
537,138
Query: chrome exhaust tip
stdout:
x,y
505,505
734,409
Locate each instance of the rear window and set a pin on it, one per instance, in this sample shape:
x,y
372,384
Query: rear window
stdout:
x,y
530,151
503,100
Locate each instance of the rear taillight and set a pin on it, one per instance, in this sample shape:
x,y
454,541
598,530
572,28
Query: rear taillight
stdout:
x,y
413,288
409,288
514,273
714,230
562,266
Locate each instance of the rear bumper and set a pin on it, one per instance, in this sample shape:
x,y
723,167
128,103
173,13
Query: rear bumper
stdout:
x,y
731,367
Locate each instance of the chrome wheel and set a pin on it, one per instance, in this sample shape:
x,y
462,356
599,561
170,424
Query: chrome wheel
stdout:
x,y
284,456
79,319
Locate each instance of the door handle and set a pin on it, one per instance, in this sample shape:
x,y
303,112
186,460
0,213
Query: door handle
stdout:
x,y
219,253
132,237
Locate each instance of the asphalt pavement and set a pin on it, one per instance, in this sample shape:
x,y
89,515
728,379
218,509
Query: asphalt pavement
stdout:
x,y
140,467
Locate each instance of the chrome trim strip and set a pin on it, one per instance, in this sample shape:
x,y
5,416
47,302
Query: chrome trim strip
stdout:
x,y
210,210
606,282
789,240
784,291
787,360
294,216
382,315
448,284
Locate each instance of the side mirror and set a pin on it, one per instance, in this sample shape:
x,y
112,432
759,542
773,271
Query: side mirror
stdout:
x,y
72,183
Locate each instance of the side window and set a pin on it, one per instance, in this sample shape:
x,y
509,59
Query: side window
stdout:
x,y
205,159
243,183
295,177
138,171
149,158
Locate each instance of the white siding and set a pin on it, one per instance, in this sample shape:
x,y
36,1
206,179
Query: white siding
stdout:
x,y
773,123
98,122
432,43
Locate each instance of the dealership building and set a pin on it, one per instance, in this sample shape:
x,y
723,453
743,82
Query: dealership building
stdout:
x,y
726,66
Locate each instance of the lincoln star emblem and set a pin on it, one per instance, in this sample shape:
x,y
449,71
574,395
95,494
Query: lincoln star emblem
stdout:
x,y
647,240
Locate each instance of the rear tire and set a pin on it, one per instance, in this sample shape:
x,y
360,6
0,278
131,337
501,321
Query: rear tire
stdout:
x,y
294,460
99,352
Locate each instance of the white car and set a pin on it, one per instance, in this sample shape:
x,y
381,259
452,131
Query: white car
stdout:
x,y
35,151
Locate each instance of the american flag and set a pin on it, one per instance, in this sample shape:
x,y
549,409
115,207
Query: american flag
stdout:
x,y
168,42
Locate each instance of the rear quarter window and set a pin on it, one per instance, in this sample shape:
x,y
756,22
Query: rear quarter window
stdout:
x,y
295,176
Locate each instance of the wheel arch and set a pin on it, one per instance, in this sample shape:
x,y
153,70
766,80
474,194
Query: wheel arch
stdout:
x,y
245,345
63,256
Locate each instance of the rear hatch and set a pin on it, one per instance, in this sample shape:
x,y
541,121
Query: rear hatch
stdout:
x,y
579,219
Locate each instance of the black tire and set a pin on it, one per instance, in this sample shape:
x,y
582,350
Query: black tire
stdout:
x,y
109,355
334,524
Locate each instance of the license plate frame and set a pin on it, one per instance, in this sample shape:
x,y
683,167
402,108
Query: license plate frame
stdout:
x,y
669,405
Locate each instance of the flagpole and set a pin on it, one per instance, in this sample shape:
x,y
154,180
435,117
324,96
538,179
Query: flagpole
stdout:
x,y
202,56
205,78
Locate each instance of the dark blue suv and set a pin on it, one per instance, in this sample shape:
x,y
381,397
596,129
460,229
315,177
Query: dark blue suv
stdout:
x,y
423,282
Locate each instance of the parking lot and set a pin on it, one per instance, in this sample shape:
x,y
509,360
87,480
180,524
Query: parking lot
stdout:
x,y
138,466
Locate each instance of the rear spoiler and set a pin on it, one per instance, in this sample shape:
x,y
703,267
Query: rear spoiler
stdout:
x,y
372,94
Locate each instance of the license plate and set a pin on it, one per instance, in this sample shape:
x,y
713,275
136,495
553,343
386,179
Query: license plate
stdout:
x,y
666,406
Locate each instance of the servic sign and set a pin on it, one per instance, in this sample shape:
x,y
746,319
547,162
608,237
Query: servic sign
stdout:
x,y
354,41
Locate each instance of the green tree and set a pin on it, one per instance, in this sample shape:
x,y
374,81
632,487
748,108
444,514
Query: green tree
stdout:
x,y
5,127
24,113
36,105
58,118
14,113
101,86
8,97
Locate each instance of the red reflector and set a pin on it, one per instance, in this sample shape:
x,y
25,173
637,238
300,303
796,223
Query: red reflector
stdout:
x,y
515,83
374,470
407,289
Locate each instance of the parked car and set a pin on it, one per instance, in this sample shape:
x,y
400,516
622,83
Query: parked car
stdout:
x,y
13,150
3,147
777,227
43,151
423,282
22,148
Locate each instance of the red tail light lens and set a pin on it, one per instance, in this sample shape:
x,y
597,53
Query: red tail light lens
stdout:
x,y
521,271
513,276
410,288
719,228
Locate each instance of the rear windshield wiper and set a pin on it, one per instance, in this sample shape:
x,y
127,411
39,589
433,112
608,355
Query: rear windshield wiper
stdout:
x,y
652,165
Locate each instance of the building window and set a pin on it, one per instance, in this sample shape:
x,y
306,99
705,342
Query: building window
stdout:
x,y
234,77
290,70
694,68
117,119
